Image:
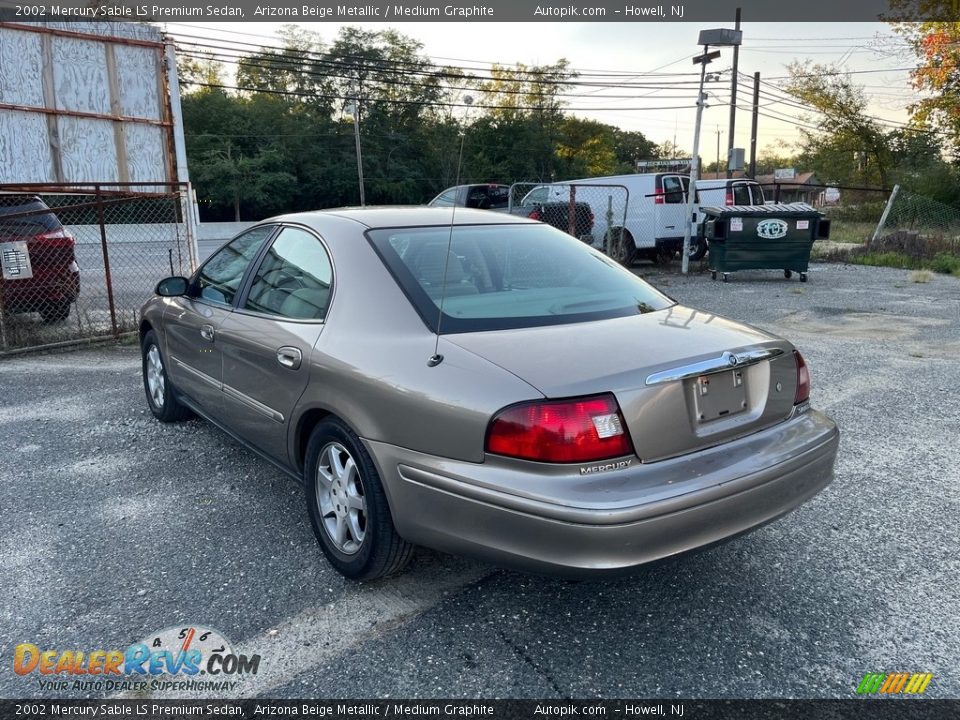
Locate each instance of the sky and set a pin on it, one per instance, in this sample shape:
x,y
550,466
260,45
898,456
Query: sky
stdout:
x,y
870,50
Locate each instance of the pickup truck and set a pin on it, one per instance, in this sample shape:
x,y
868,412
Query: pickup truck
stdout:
x,y
495,197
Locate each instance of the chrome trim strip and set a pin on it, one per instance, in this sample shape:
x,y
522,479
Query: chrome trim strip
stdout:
x,y
254,405
253,448
203,377
727,361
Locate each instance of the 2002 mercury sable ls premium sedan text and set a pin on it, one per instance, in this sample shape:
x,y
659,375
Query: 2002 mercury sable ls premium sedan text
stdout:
x,y
484,385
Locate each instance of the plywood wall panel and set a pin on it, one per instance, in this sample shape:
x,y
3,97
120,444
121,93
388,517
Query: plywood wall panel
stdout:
x,y
21,63
24,148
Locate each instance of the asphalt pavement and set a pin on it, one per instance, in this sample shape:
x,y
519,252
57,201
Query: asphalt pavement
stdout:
x,y
114,526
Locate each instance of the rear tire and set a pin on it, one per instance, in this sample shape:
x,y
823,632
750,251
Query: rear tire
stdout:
x,y
347,506
160,394
698,248
788,274
55,312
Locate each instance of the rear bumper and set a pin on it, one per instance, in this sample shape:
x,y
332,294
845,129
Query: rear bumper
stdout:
x,y
434,503
47,287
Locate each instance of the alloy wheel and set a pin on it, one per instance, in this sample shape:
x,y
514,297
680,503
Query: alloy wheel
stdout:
x,y
340,498
156,382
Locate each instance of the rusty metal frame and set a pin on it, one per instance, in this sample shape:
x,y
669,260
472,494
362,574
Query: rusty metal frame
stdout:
x,y
165,121
43,30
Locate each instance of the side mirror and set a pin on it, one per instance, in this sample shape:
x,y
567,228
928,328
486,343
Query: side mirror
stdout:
x,y
172,286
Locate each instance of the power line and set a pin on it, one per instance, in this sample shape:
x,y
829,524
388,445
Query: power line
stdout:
x,y
600,72
425,103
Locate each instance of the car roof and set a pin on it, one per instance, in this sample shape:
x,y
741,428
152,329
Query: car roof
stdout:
x,y
723,182
406,216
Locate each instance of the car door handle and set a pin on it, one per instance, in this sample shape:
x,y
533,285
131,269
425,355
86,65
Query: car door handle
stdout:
x,y
289,357
206,332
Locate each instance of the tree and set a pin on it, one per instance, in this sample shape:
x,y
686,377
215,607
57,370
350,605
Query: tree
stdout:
x,y
198,69
587,148
849,146
937,76
630,146
230,177
297,70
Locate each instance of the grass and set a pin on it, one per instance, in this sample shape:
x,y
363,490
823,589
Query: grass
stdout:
x,y
921,276
845,231
943,263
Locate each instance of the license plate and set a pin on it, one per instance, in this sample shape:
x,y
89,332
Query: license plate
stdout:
x,y
719,395
15,261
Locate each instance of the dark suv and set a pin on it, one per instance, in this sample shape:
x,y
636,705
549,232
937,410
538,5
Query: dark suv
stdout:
x,y
55,281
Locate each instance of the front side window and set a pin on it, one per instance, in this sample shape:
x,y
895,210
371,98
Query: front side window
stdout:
x,y
219,278
294,278
509,276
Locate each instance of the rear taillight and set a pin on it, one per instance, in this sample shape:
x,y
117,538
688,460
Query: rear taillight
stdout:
x,y
561,431
729,199
803,380
658,198
535,214
57,238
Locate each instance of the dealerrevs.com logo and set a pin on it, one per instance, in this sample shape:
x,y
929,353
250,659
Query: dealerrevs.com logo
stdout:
x,y
894,683
174,659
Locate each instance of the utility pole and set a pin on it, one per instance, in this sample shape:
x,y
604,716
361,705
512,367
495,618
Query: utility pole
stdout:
x,y
717,174
353,107
733,95
719,37
753,125
702,60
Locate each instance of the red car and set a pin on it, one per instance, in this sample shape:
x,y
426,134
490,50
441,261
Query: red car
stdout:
x,y
52,283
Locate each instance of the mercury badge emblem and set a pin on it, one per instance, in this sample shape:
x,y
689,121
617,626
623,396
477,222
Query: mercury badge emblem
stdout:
x,y
771,229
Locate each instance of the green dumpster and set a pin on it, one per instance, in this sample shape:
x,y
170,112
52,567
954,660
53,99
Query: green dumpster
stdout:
x,y
762,237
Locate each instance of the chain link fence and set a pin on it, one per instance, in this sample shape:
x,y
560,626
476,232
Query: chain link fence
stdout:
x,y
918,227
594,213
79,261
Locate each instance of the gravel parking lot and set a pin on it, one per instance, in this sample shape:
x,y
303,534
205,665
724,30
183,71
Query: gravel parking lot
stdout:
x,y
113,526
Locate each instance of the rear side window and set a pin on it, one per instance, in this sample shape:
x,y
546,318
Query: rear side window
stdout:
x,y
293,281
757,192
674,189
509,276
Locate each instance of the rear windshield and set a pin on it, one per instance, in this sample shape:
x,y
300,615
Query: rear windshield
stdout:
x,y
498,277
741,194
488,197
674,189
13,222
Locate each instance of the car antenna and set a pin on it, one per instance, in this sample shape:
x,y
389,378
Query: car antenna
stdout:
x,y
437,358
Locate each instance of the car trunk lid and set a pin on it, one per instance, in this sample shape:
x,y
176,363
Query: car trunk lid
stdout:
x,y
684,379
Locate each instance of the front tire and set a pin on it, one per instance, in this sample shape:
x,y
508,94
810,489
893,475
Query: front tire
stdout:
x,y
622,248
348,507
156,383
